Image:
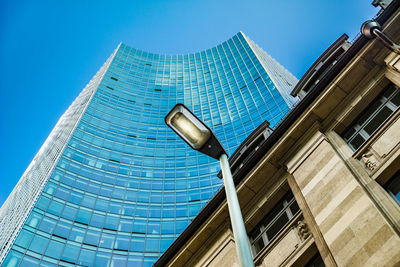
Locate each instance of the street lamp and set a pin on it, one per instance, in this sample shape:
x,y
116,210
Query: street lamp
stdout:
x,y
200,137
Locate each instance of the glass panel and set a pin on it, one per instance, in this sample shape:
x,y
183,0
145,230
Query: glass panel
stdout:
x,y
44,263
42,203
148,261
137,244
111,222
118,260
13,259
70,253
97,220
62,229
47,225
24,238
277,226
34,219
125,225
315,261
357,141
83,216
135,260
28,261
152,244
255,233
122,243
378,120
349,133
102,259
393,187
258,245
38,244
368,113
165,243
294,208
396,99
54,249
69,212
389,91
55,208
273,213
86,257
77,234
92,237
107,240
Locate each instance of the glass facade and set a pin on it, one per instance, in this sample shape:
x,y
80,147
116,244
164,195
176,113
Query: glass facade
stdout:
x,y
123,186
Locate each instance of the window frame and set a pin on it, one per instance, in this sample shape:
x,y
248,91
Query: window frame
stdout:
x,y
359,128
263,227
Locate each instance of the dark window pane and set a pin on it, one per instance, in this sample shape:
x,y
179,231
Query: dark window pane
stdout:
x,y
255,233
258,245
273,213
277,226
378,120
315,261
357,141
294,208
393,187
368,113
396,99
389,91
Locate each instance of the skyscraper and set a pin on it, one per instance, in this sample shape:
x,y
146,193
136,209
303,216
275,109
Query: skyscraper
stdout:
x,y
112,185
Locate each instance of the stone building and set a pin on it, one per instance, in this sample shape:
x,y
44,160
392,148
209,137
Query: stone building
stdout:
x,y
323,187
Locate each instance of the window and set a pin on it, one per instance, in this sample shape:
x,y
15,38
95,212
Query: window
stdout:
x,y
274,222
393,187
315,261
373,117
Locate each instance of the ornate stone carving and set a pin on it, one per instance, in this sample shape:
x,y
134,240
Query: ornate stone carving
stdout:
x,y
302,230
369,161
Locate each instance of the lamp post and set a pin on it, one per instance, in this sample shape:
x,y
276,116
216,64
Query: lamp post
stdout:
x,y
200,137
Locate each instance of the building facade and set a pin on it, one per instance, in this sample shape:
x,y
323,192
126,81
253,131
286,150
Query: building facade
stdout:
x,y
322,189
112,185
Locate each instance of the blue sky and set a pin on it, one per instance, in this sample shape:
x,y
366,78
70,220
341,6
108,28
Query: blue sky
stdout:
x,y
49,50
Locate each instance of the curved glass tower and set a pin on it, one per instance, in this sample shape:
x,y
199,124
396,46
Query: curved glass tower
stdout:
x,y
113,185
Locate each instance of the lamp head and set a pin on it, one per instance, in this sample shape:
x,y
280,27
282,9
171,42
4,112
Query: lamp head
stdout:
x,y
193,131
188,126
368,27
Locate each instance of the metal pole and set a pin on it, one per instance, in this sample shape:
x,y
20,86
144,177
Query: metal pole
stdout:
x,y
239,231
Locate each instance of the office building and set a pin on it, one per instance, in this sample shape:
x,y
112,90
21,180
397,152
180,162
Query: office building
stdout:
x,y
112,185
